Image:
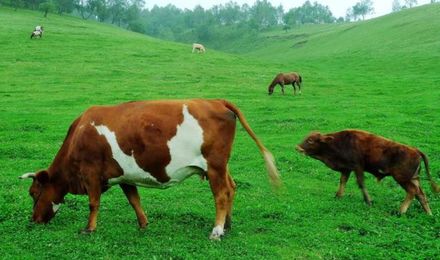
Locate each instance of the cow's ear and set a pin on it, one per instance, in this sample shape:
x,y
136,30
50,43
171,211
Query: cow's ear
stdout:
x,y
42,177
327,139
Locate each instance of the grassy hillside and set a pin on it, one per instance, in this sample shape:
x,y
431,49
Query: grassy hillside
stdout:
x,y
379,75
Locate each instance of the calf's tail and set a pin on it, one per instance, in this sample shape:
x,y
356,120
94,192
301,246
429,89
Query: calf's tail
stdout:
x,y
434,187
268,157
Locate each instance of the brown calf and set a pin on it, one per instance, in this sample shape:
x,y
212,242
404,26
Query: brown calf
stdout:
x,y
152,144
359,151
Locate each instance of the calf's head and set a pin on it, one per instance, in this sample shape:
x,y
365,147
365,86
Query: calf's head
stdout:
x,y
45,194
314,144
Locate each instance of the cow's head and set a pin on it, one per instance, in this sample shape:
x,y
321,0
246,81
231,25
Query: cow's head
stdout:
x,y
314,144
45,194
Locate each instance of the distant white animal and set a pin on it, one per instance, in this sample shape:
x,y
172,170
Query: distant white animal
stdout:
x,y
38,31
200,48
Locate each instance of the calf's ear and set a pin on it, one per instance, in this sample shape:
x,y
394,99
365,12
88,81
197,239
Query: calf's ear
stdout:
x,y
327,139
42,177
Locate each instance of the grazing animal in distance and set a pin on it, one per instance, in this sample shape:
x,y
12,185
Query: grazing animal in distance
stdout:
x,y
286,79
359,151
200,48
154,144
38,31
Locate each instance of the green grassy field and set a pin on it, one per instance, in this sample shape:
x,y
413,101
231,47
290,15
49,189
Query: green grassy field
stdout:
x,y
380,75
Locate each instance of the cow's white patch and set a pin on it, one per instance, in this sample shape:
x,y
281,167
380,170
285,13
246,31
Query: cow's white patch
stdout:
x,y
133,174
217,232
55,207
185,153
185,147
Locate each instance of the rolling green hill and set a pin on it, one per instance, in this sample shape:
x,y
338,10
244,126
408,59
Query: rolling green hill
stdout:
x,y
379,75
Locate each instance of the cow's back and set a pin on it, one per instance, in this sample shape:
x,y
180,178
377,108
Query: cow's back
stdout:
x,y
155,137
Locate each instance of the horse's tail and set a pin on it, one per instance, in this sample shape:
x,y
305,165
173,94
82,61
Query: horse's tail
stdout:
x,y
268,157
300,79
434,187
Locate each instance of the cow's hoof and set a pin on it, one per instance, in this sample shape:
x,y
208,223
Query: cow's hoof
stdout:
x,y
217,233
215,237
143,228
397,213
86,231
143,225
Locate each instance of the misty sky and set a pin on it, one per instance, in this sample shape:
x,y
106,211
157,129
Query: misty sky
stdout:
x,y
338,7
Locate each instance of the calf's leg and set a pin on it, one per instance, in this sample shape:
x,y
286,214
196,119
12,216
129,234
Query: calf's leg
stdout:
x,y
133,198
342,182
361,184
421,196
411,190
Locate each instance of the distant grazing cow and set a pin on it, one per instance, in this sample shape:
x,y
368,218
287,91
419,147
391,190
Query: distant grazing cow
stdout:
x,y
153,144
359,151
200,48
286,79
38,31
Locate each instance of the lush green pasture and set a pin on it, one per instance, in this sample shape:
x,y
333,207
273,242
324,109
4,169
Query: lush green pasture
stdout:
x,y
380,75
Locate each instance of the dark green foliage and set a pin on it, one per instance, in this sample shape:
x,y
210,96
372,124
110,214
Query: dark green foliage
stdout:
x,y
47,7
308,13
360,9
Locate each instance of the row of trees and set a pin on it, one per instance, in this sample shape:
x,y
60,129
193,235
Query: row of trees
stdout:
x,y
199,24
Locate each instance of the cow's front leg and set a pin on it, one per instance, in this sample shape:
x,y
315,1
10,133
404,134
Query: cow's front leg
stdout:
x,y
361,184
94,201
135,201
342,183
223,192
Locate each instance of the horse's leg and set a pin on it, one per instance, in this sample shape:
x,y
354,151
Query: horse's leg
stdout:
x,y
294,88
299,87
282,87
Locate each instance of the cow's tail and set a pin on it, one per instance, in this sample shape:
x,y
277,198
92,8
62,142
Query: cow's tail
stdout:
x,y
434,187
268,157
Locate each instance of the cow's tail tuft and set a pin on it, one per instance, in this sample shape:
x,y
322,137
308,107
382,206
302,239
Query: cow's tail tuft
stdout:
x,y
434,186
268,157
271,169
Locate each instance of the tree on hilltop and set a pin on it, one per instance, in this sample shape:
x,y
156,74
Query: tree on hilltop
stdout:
x,y
396,7
410,3
363,8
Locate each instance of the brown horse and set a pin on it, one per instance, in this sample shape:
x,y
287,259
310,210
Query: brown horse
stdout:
x,y
286,78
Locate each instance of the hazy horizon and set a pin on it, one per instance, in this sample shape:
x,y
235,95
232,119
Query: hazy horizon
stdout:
x,y
338,8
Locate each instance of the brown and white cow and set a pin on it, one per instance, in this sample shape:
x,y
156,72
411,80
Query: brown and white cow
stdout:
x,y
38,31
148,143
359,151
